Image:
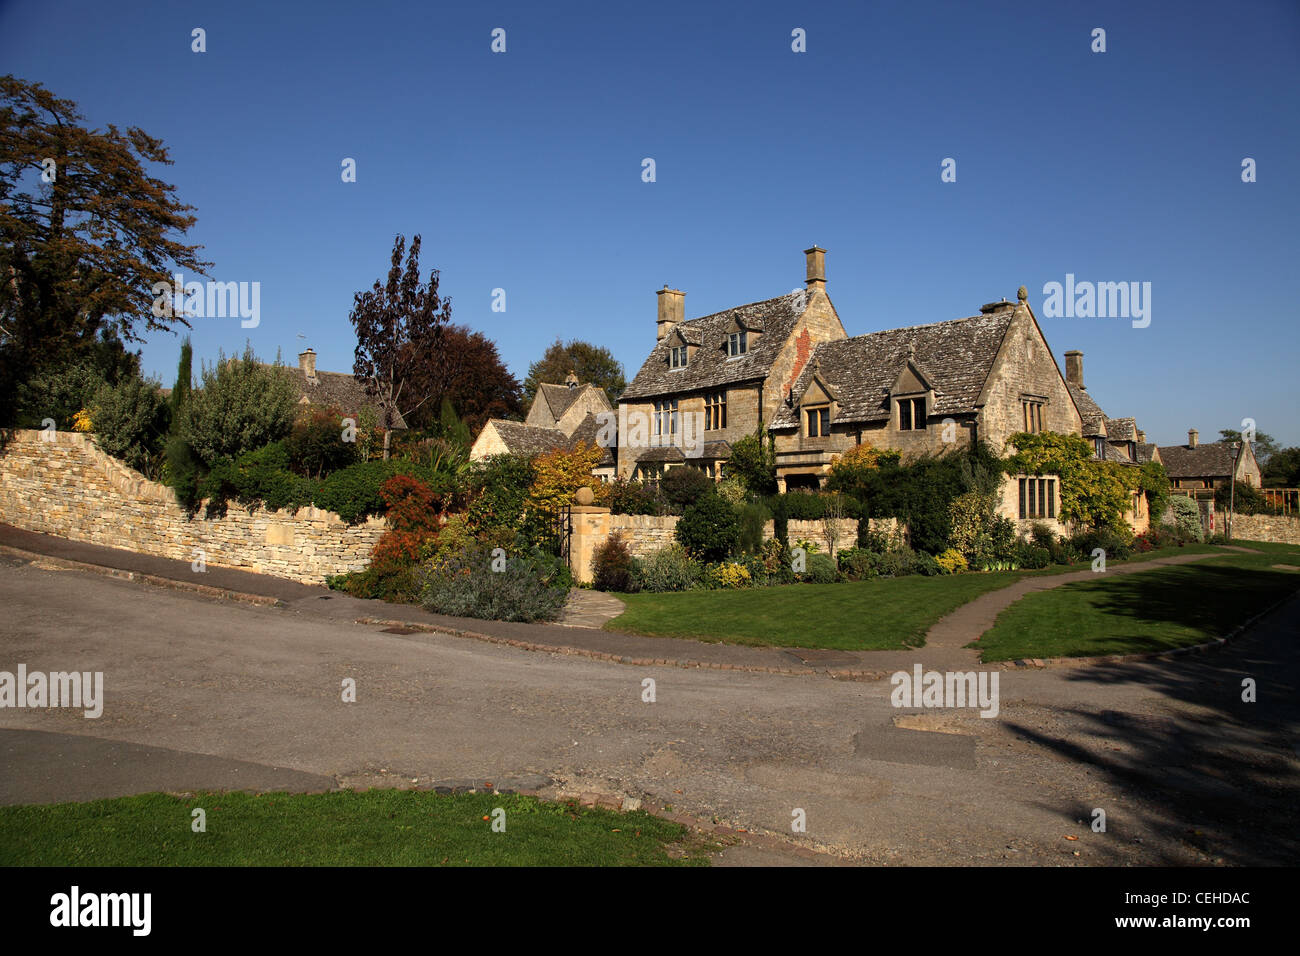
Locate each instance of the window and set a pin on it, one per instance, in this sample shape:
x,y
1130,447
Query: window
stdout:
x,y
715,411
819,421
911,414
1138,499
665,417
1033,416
737,343
1038,497
677,356
1100,445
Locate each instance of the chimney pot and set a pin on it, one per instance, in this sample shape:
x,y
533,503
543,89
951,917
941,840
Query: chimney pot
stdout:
x,y
672,309
1074,368
816,262
1191,437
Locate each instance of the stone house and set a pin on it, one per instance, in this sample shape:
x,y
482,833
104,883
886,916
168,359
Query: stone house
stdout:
x,y
1197,469
712,380
560,417
336,390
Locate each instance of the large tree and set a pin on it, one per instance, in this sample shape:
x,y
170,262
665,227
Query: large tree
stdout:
x,y
468,372
1264,446
85,233
591,363
398,323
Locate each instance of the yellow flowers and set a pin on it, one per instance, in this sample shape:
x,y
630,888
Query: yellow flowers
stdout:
x,y
729,575
81,422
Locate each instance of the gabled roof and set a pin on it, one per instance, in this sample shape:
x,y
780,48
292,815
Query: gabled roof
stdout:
x,y
1094,419
589,430
710,367
1211,460
1146,453
521,439
338,390
956,357
1121,429
558,398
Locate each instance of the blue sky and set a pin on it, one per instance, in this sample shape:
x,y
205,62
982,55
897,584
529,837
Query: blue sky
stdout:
x,y
522,170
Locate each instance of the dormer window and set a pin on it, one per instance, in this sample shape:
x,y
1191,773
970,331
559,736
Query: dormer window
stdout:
x,y
737,343
818,421
1099,444
677,356
911,414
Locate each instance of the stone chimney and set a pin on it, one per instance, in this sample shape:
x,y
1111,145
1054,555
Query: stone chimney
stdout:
x,y
672,309
571,380
1142,437
816,258
1191,437
307,362
1074,368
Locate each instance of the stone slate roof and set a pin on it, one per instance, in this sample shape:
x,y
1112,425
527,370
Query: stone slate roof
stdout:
x,y
1121,429
1146,453
955,357
1094,419
558,398
338,390
710,367
1211,460
588,430
523,439
664,453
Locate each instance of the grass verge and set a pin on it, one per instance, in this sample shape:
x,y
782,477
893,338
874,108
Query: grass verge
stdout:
x,y
1150,611
345,828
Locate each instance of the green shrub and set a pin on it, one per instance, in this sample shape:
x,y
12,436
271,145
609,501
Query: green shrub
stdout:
x,y
57,393
668,569
624,497
1117,542
612,565
684,486
733,491
498,492
130,421
753,519
857,564
709,529
814,506
530,587
820,569
242,405
315,444
753,463
1184,516
1032,556
926,564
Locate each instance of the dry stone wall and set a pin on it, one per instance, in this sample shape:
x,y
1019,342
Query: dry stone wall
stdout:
x,y
70,488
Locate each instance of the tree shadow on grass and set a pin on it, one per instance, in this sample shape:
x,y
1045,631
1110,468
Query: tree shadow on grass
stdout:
x,y
1208,770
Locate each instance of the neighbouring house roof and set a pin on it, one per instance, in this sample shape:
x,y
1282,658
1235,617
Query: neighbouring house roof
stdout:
x,y
1094,419
1211,460
338,390
955,357
558,398
1146,453
521,439
710,367
589,430
663,453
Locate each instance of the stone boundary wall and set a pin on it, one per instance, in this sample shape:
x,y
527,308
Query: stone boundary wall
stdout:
x,y
1283,529
69,487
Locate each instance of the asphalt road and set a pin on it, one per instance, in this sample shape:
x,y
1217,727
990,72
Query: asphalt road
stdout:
x,y
200,693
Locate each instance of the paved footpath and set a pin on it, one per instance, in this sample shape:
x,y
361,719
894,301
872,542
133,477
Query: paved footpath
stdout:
x,y
579,631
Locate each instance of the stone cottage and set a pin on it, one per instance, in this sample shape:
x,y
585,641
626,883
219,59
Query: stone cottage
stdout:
x,y
712,380
1197,469
560,417
335,390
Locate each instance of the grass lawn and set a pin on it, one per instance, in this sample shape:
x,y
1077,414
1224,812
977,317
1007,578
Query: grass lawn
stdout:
x,y
1156,610
885,614
880,615
373,828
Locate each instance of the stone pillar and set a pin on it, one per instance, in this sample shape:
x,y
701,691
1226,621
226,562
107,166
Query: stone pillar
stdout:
x,y
590,530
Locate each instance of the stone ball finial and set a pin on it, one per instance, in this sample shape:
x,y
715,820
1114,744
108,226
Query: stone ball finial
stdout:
x,y
1022,294
584,496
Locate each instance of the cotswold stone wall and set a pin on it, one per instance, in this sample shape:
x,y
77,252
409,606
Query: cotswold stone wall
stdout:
x,y
70,488
1284,529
